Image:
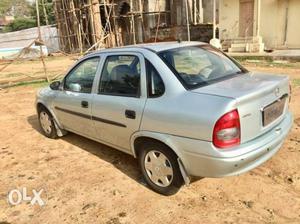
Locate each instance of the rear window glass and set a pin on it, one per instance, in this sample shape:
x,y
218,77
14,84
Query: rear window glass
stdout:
x,y
200,65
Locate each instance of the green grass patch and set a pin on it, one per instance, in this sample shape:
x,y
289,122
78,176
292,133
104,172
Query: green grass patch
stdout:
x,y
37,84
271,64
34,84
296,82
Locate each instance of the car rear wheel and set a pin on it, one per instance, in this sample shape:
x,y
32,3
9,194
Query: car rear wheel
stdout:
x,y
160,168
47,123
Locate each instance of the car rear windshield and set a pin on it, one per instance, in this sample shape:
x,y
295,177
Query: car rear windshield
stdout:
x,y
196,66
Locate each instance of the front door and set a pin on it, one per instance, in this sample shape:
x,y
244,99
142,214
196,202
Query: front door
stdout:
x,y
246,18
73,104
119,102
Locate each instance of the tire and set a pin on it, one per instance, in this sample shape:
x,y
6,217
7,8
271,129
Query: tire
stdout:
x,y
46,123
160,168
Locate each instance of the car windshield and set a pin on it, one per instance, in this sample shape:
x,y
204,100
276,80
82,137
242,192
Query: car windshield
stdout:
x,y
200,65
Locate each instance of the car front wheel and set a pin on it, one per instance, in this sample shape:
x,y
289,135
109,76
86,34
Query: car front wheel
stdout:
x,y
160,168
47,123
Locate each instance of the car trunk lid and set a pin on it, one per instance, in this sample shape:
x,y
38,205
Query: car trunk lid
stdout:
x,y
261,100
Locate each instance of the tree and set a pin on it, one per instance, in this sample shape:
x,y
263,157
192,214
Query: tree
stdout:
x,y
48,4
25,13
17,8
20,24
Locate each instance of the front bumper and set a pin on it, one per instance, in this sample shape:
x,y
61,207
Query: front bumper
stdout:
x,y
242,159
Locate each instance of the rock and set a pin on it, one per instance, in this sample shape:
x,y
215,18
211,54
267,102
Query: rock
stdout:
x,y
290,180
204,198
113,221
270,211
87,206
115,192
249,204
122,214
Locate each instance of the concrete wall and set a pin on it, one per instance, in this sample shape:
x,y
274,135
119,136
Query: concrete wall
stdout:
x,y
293,28
229,19
23,38
208,6
273,22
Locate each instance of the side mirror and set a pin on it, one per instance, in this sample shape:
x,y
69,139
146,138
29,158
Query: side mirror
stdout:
x,y
55,85
75,87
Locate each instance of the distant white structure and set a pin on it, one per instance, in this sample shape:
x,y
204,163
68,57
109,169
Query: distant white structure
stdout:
x,y
12,43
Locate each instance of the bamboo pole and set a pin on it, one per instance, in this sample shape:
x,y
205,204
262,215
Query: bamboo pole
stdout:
x,y
97,20
187,20
40,39
214,19
66,26
141,8
45,13
132,22
158,21
76,26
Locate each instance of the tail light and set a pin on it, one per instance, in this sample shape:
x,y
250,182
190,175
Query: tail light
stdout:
x,y
227,130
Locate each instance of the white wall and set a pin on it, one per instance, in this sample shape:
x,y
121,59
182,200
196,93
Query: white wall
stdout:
x,y
272,25
229,19
23,38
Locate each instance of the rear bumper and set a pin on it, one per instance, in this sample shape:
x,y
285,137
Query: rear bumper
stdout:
x,y
239,160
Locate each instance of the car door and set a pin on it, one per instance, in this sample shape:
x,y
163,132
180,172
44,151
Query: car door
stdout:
x,y
73,103
120,99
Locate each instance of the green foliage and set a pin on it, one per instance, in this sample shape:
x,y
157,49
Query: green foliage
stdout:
x,y
296,82
20,24
49,11
4,6
17,8
25,13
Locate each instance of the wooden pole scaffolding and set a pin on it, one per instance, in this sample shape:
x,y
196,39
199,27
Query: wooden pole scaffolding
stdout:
x,y
45,12
132,22
97,20
40,39
187,20
158,20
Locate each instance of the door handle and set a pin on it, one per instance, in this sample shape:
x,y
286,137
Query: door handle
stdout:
x,y
84,104
130,114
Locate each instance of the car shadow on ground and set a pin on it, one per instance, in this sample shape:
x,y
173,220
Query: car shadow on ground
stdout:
x,y
122,161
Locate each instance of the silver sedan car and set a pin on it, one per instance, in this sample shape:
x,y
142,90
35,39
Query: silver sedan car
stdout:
x,y
183,109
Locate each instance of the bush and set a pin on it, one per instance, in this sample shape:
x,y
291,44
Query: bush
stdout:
x,y
20,24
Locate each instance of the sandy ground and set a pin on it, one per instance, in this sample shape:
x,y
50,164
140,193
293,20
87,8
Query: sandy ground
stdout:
x,y
87,182
32,70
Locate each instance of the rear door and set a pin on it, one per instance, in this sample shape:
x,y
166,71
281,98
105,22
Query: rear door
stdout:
x,y
73,103
119,101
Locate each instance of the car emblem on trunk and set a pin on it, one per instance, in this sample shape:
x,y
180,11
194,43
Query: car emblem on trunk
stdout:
x,y
277,91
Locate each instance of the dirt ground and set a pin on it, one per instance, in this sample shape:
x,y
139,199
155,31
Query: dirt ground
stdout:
x,y
87,182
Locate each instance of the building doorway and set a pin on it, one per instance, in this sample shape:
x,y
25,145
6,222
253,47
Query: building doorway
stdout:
x,y
246,18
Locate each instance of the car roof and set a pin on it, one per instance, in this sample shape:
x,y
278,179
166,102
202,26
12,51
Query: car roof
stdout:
x,y
155,47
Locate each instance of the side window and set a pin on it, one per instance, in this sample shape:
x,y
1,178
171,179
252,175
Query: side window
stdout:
x,y
81,78
155,84
121,76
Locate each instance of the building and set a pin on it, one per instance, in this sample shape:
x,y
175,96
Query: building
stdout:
x,y
108,23
255,25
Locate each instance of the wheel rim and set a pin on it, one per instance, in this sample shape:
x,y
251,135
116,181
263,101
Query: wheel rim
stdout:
x,y
158,168
45,122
